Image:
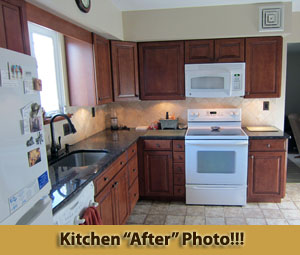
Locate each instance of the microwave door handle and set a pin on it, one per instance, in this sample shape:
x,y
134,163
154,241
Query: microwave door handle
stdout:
x,y
214,143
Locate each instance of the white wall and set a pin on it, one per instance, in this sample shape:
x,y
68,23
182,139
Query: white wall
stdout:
x,y
103,18
197,23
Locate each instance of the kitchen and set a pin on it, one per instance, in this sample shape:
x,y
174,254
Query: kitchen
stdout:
x,y
136,27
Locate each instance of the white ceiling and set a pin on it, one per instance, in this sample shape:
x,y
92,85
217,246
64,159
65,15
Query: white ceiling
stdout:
x,y
134,5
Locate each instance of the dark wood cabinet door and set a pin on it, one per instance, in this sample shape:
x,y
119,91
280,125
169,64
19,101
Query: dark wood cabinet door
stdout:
x,y
80,68
125,70
263,67
158,173
120,187
103,70
107,205
13,26
161,70
266,176
199,51
230,50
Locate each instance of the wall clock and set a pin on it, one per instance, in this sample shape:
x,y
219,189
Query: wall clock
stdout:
x,y
84,5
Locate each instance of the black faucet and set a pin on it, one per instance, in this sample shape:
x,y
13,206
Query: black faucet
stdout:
x,y
56,147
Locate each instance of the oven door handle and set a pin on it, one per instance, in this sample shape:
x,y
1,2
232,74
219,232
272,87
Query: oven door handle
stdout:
x,y
214,187
218,142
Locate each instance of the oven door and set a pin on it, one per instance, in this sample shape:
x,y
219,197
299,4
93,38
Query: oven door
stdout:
x,y
210,162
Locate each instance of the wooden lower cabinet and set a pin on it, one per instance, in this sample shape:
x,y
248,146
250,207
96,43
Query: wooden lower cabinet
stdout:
x,y
158,170
162,169
106,206
117,190
120,187
266,172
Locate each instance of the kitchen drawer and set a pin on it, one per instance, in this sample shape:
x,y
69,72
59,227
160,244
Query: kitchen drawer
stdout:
x,y
108,174
179,157
267,145
179,168
179,191
158,145
134,194
178,145
133,169
132,150
179,179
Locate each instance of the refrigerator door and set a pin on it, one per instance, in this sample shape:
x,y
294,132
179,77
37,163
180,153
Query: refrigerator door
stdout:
x,y
24,176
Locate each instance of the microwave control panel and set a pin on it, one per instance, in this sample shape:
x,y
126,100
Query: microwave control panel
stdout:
x,y
236,81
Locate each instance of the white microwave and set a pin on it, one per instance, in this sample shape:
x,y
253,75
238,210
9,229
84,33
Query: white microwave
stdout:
x,y
215,80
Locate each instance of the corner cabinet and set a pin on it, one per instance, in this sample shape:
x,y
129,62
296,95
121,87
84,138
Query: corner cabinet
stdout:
x,y
103,70
89,71
263,67
161,66
13,26
267,166
124,58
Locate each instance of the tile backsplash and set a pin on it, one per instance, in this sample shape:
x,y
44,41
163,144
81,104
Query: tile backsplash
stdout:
x,y
143,113
139,113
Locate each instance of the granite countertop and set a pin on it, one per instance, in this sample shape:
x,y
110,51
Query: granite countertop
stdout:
x,y
266,135
68,181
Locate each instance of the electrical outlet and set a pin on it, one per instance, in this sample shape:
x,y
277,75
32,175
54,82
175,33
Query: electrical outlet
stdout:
x,y
266,105
66,128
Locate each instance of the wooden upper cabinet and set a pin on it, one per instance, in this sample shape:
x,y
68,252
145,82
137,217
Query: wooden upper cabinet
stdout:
x,y
161,70
263,67
199,51
13,26
125,70
80,68
103,70
230,50
215,51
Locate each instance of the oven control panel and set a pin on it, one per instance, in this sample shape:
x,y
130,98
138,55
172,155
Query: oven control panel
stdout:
x,y
226,114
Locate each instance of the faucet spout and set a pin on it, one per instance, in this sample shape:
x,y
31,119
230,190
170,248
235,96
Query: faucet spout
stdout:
x,y
56,147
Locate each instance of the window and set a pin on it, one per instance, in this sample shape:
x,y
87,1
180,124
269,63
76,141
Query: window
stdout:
x,y
46,47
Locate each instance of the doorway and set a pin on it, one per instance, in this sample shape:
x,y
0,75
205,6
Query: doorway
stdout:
x,y
292,106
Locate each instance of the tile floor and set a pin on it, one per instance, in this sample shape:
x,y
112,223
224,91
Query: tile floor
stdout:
x,y
177,213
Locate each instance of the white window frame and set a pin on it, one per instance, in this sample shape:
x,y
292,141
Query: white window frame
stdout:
x,y
58,60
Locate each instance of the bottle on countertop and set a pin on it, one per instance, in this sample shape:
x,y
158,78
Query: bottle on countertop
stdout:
x,y
113,120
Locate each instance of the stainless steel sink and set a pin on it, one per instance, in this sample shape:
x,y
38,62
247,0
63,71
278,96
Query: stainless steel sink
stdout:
x,y
81,158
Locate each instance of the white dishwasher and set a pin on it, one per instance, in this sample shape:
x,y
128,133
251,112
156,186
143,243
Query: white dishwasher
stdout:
x,y
72,211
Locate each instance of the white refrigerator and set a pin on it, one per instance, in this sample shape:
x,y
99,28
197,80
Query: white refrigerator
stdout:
x,y
24,178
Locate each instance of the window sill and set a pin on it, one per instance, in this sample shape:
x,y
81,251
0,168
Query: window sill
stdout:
x,y
47,120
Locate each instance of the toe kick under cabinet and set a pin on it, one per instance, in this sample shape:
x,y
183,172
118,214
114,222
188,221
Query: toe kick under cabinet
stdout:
x,y
267,166
117,189
162,169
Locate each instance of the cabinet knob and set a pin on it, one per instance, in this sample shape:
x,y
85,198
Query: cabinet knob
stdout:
x,y
252,157
133,151
269,145
134,195
157,145
133,170
121,163
179,146
105,179
180,157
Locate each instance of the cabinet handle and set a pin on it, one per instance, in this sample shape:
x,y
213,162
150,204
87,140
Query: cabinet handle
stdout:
x,y
133,170
252,157
134,195
115,184
269,145
133,151
179,146
105,179
121,163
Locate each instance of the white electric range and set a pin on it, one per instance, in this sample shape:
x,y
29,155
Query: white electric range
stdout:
x,y
216,153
